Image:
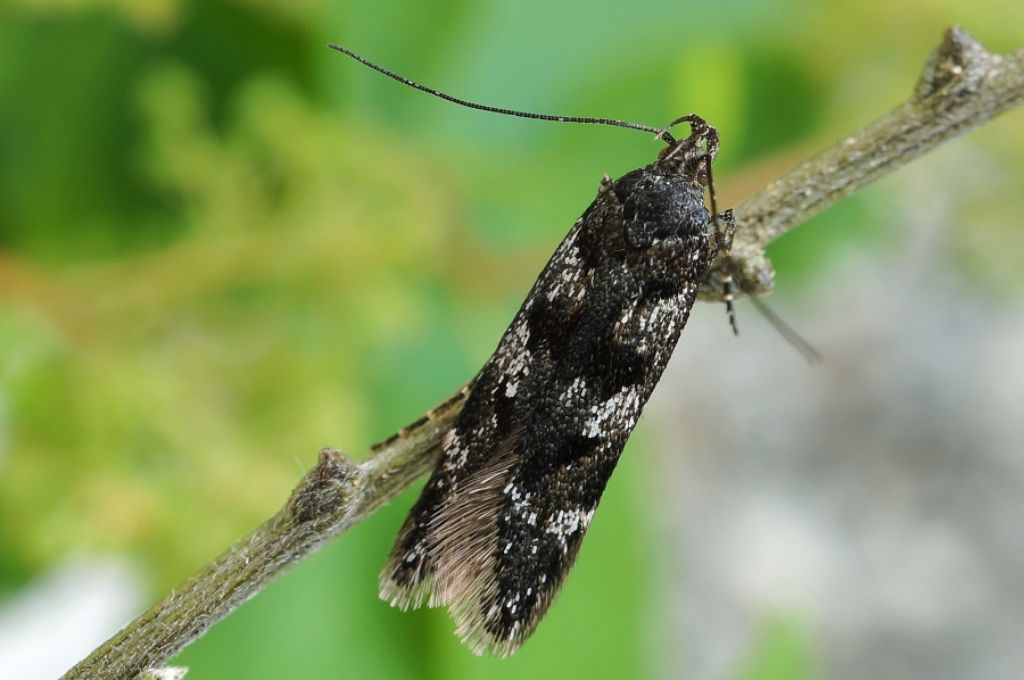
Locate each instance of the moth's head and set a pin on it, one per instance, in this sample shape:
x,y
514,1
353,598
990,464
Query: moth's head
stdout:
x,y
690,157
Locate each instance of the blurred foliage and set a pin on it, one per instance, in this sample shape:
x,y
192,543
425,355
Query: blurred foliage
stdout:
x,y
223,246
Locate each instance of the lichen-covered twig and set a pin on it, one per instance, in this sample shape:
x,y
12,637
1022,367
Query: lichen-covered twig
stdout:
x,y
962,86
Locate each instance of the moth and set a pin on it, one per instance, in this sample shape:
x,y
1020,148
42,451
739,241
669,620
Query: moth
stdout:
x,y
521,473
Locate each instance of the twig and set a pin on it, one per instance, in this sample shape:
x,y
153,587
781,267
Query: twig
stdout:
x,y
962,86
332,496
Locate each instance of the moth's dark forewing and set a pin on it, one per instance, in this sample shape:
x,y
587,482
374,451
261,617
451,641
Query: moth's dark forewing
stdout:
x,y
490,415
522,472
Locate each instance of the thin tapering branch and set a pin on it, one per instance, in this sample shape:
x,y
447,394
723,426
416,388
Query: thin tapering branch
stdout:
x,y
962,87
332,496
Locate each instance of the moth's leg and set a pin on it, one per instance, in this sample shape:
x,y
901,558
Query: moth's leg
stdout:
x,y
727,295
727,224
721,249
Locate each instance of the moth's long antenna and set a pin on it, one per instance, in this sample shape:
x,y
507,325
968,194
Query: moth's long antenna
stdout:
x,y
659,132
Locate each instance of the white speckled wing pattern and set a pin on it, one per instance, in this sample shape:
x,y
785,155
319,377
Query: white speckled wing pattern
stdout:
x,y
501,519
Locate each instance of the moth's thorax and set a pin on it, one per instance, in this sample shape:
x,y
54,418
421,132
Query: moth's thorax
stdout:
x,y
662,210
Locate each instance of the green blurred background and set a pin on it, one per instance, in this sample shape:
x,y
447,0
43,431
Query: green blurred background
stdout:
x,y
223,246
